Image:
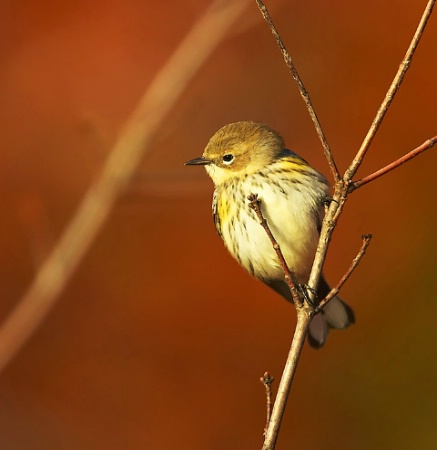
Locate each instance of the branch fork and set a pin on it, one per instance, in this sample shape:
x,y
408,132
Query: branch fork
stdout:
x,y
343,186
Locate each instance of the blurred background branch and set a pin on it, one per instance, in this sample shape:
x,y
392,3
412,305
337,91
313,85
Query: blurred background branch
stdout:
x,y
133,142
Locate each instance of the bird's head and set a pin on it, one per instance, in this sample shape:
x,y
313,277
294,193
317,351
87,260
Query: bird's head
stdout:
x,y
239,149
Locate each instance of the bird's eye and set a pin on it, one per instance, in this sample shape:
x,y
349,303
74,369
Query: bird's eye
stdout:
x,y
227,159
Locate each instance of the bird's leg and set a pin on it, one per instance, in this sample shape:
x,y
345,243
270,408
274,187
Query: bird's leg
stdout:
x,y
306,292
326,201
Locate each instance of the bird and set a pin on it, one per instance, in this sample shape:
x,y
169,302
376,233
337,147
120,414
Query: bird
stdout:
x,y
245,158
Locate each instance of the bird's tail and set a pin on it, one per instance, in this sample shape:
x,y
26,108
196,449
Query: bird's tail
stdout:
x,y
336,314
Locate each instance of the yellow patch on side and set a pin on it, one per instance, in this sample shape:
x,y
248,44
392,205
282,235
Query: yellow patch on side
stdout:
x,y
293,166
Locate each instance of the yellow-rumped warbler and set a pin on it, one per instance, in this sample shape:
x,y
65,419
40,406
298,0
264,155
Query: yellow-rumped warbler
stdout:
x,y
246,158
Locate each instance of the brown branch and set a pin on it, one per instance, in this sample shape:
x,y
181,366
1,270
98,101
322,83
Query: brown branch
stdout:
x,y
304,316
394,165
334,291
396,83
341,189
303,92
305,313
342,186
135,137
267,381
255,203
328,225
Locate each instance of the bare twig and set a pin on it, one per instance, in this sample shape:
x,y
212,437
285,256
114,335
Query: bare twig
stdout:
x,y
394,165
335,290
302,90
254,203
305,313
304,316
133,142
329,222
267,381
404,66
343,185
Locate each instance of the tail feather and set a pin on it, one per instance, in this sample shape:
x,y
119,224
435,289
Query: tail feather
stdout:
x,y
318,331
336,314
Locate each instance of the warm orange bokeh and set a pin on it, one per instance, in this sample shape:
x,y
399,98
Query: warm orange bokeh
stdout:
x,y
160,338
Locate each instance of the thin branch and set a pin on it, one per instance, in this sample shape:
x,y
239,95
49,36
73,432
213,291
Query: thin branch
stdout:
x,y
305,312
334,291
255,203
267,381
394,165
328,225
397,81
304,316
341,189
342,186
97,203
302,90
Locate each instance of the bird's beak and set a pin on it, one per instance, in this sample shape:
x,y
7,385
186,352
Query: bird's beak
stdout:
x,y
202,161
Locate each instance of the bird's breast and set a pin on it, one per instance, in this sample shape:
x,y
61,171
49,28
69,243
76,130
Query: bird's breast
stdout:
x,y
292,211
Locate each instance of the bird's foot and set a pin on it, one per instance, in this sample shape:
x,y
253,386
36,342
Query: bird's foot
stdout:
x,y
309,295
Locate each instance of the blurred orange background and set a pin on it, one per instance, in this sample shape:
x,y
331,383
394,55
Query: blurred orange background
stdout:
x,y
160,338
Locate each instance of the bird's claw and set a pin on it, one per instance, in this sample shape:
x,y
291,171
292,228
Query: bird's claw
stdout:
x,y
308,294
